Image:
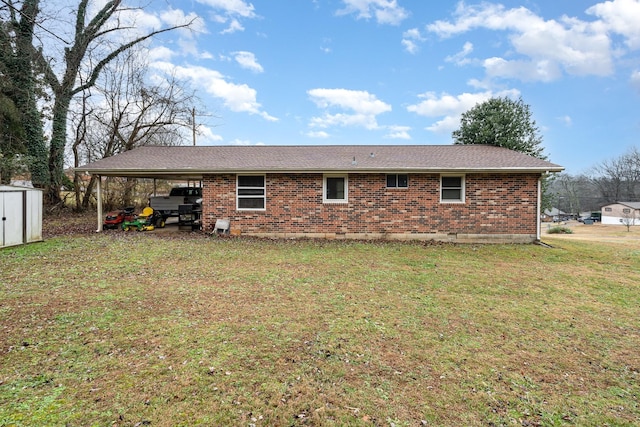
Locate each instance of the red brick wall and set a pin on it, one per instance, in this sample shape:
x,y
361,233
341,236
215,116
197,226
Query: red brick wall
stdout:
x,y
494,204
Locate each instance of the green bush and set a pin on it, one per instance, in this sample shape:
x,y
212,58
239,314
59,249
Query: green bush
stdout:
x,y
560,230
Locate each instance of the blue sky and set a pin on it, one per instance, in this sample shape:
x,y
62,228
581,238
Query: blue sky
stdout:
x,y
304,72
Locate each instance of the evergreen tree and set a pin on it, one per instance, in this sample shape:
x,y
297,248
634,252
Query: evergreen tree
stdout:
x,y
502,122
505,123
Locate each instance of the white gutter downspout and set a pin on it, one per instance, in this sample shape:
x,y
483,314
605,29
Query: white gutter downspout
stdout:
x,y
539,209
99,208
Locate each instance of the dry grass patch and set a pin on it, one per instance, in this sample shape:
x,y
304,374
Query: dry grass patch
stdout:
x,y
141,329
596,232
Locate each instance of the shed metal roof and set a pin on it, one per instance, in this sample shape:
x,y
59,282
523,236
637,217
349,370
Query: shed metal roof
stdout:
x,y
17,188
190,162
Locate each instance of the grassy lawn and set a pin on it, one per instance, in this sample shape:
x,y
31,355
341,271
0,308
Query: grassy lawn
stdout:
x,y
133,329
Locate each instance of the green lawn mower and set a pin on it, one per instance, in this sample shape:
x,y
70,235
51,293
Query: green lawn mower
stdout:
x,y
147,220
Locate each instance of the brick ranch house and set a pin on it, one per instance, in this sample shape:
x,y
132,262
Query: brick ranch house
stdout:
x,y
429,192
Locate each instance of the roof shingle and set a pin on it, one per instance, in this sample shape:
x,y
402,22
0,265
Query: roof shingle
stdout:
x,y
197,160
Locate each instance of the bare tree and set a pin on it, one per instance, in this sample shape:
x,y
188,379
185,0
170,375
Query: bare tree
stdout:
x,y
81,129
124,111
574,194
629,218
619,179
567,193
93,34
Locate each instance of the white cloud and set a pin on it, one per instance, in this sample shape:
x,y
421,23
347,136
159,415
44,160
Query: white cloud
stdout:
x,y
318,134
160,53
479,84
398,132
235,97
541,70
356,100
484,15
460,58
621,17
635,79
206,136
176,17
186,40
230,11
248,60
434,105
384,11
244,142
137,21
326,45
234,26
546,47
188,47
232,7
206,55
357,120
566,120
140,22
363,108
410,39
450,107
410,46
413,33
445,125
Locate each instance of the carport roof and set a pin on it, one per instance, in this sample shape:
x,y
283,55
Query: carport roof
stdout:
x,y
191,162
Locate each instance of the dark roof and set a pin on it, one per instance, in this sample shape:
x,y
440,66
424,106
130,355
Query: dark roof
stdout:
x,y
194,161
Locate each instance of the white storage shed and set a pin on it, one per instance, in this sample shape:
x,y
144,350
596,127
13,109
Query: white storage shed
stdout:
x,y
21,215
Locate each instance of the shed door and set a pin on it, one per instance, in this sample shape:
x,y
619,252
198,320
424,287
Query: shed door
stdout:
x,y
11,229
33,216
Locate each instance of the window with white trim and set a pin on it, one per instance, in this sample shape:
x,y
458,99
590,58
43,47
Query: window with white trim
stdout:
x,y
251,193
452,188
335,189
397,180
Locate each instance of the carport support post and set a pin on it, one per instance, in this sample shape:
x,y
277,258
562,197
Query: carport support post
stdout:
x,y
99,198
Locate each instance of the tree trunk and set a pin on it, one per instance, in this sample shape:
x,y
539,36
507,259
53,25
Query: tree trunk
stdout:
x,y
47,167
77,184
26,95
86,200
56,148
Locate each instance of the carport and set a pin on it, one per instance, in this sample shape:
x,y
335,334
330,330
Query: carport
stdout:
x,y
143,164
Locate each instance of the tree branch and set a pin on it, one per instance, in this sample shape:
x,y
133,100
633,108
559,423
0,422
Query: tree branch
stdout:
x,y
98,68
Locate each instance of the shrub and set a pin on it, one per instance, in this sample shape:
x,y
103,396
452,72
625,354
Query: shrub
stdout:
x,y
560,230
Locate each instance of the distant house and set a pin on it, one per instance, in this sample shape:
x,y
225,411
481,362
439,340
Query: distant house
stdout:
x,y
453,192
553,214
625,213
